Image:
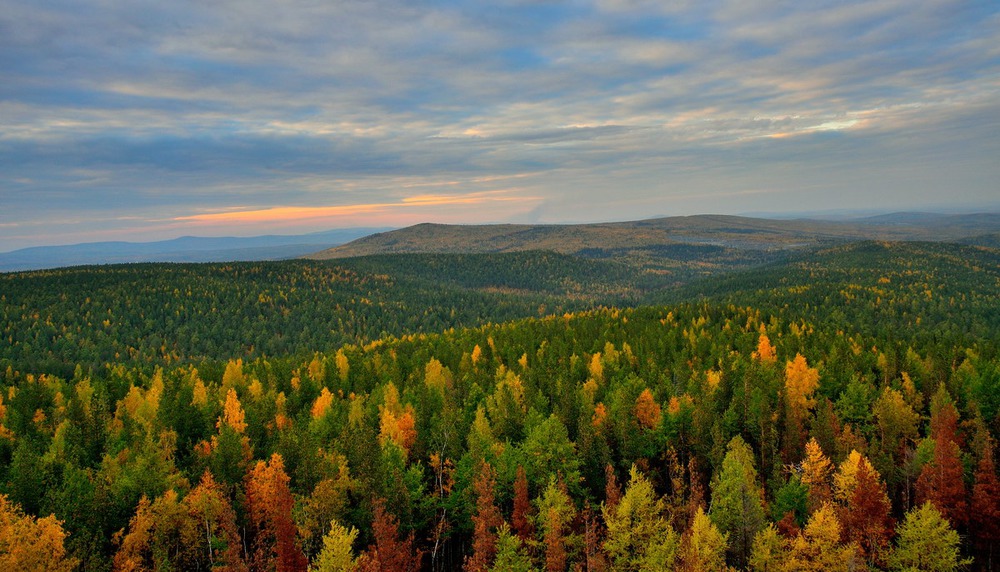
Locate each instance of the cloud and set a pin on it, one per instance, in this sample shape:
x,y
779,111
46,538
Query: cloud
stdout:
x,y
286,214
117,111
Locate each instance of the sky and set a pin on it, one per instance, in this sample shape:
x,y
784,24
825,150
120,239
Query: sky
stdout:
x,y
144,120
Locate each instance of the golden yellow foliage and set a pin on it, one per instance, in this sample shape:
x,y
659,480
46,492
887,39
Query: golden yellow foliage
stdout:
x,y
816,470
281,419
397,422
800,383
30,544
400,429
343,366
765,351
232,413
200,392
845,479
322,403
5,433
317,369
436,375
596,368
256,389
84,393
818,548
712,379
356,414
233,376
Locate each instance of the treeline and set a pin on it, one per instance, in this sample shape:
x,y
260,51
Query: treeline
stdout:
x,y
690,437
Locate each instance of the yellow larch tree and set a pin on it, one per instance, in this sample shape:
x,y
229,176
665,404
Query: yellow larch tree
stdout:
x,y
765,351
232,413
816,472
818,547
800,384
845,479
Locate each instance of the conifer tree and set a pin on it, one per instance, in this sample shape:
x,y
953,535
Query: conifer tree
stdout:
x,y
639,535
389,553
985,506
865,515
521,517
485,522
511,556
555,513
337,554
818,548
926,543
703,547
768,552
210,534
738,501
942,480
269,507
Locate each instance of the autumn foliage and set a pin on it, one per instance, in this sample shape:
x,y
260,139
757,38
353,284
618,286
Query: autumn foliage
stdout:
x,y
389,553
649,438
647,410
521,515
486,521
942,480
269,507
27,543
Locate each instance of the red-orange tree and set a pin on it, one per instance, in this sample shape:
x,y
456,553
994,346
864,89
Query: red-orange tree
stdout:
x,y
485,522
941,480
269,508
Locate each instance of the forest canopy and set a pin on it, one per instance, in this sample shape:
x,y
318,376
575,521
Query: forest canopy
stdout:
x,y
836,412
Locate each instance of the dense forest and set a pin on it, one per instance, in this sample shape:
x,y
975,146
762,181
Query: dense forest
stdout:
x,y
143,314
494,412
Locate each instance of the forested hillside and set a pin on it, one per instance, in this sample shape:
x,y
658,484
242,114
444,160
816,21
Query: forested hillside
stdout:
x,y
839,412
54,320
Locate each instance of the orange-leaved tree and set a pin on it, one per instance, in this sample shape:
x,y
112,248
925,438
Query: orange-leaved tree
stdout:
x,y
866,514
647,410
485,522
389,553
269,507
942,480
32,544
521,516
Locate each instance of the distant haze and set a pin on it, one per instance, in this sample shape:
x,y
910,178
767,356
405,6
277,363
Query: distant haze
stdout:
x,y
121,122
184,249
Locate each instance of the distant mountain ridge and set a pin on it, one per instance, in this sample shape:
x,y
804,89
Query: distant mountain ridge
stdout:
x,y
183,249
655,237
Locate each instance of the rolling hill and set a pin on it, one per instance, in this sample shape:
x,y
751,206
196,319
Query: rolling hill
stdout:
x,y
710,239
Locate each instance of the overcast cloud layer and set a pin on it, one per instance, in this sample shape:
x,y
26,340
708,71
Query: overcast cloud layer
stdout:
x,y
138,120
